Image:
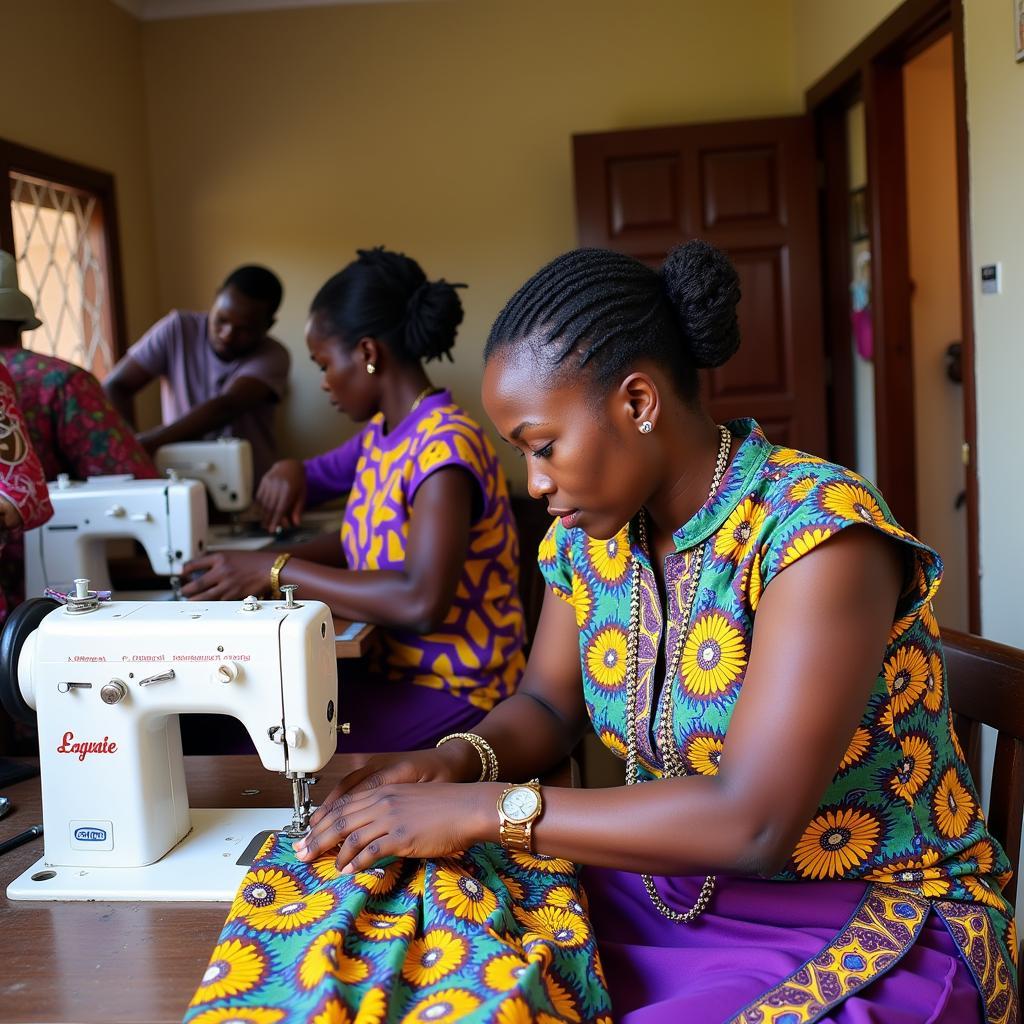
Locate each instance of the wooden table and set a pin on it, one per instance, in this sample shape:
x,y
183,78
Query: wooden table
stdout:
x,y
114,962
352,647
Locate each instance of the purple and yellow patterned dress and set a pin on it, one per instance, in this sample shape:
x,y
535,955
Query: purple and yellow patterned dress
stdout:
x,y
889,908
420,687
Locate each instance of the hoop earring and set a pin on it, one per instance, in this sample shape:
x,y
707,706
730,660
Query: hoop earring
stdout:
x,y
646,427
371,369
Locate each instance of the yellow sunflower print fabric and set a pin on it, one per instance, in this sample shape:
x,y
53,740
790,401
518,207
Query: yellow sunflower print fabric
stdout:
x,y
488,937
901,807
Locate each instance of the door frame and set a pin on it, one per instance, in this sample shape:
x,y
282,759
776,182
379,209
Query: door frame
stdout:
x,y
873,71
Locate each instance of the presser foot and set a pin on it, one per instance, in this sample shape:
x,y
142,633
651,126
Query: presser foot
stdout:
x,y
301,807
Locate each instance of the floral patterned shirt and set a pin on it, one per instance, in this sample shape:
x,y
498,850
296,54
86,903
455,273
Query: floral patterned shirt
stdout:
x,y
73,428
901,806
22,481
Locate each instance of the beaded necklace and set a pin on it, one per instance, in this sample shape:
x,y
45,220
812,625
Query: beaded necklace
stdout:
x,y
674,766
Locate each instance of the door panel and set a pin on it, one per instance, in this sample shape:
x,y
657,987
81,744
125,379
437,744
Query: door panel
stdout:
x,y
748,187
739,187
643,195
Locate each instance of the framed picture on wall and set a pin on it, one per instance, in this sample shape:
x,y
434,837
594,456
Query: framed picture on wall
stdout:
x,y
1018,28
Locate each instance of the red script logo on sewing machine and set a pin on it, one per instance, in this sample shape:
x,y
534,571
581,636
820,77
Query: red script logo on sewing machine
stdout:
x,y
84,747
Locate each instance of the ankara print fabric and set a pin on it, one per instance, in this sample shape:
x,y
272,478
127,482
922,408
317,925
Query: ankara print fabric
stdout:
x,y
486,936
477,653
71,423
901,807
21,477
73,428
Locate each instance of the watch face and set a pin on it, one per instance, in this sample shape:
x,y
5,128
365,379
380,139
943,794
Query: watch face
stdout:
x,y
520,803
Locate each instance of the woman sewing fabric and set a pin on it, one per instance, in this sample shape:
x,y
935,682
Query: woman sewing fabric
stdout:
x,y
751,631
428,549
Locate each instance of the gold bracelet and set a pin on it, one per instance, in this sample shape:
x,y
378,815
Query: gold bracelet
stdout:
x,y
275,574
488,759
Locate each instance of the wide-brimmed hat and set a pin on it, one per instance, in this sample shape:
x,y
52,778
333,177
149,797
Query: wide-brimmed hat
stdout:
x,y
15,305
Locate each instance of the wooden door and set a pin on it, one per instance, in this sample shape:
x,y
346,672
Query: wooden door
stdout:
x,y
750,188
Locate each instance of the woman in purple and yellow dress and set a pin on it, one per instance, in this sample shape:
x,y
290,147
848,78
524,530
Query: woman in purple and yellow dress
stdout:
x,y
428,549
751,631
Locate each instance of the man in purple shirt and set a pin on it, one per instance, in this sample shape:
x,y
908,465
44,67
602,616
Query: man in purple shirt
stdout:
x,y
221,374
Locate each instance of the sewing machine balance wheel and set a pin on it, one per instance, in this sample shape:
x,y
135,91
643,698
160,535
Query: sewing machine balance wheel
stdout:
x,y
20,625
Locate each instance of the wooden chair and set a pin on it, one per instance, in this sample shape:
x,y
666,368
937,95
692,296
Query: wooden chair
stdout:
x,y
532,521
986,687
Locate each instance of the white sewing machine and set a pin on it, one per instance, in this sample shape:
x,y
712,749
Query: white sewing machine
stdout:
x,y
107,681
167,517
224,465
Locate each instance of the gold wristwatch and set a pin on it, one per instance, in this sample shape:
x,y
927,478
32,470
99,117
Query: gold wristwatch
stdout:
x,y
519,807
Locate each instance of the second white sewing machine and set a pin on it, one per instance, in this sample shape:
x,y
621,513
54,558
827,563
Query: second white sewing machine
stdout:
x,y
224,466
107,681
166,517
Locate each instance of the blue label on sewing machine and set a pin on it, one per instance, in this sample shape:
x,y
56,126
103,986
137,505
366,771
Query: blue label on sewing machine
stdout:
x,y
92,835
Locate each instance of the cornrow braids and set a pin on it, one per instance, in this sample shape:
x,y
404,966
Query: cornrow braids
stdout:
x,y
609,311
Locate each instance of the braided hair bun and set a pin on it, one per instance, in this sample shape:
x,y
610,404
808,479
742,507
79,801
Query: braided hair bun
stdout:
x,y
433,314
386,295
703,289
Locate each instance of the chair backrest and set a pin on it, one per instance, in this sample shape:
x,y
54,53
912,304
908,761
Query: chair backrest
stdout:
x,y
986,687
533,521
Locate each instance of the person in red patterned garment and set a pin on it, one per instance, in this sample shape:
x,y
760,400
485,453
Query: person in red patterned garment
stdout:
x,y
70,422
24,501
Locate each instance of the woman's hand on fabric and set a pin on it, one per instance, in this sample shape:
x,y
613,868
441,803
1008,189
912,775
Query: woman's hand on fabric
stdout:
x,y
228,575
282,494
406,820
364,773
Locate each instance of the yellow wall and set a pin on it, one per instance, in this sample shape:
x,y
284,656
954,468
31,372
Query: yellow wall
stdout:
x,y
825,31
439,128
73,87
995,99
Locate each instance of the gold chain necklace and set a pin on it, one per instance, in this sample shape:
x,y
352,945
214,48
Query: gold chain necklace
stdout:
x,y
423,395
673,763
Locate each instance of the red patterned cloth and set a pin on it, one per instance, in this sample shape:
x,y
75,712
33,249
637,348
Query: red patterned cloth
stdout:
x,y
22,481
73,428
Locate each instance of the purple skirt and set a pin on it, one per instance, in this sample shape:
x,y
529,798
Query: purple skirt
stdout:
x,y
754,935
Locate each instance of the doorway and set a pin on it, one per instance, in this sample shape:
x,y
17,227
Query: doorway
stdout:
x,y
891,131
936,316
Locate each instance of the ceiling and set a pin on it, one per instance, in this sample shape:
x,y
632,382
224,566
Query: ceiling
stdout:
x,y
160,10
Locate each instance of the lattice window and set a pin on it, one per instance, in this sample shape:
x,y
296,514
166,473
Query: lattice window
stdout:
x,y
63,266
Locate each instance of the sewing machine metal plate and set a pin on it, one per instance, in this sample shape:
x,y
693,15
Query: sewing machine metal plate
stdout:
x,y
203,868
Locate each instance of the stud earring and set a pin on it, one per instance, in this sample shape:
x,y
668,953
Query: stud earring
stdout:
x,y
646,427
371,369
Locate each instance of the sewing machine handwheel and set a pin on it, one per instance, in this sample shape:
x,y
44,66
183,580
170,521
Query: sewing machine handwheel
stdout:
x,y
21,623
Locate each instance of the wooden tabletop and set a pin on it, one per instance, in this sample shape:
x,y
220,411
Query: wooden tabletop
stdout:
x,y
114,962
356,642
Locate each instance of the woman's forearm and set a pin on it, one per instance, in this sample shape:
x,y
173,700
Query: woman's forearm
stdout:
x,y
385,597
324,550
667,827
528,738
